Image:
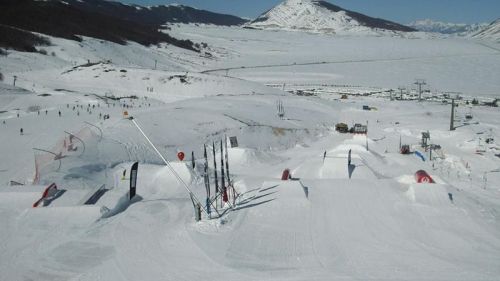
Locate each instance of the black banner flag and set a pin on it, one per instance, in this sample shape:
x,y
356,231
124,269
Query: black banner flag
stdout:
x,y
133,179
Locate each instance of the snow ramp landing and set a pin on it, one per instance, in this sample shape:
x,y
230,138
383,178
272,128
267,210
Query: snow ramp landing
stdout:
x,y
430,194
336,166
355,229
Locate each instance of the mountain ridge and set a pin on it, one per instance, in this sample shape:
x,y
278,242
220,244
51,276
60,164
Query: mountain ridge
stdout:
x,y
322,16
447,28
491,32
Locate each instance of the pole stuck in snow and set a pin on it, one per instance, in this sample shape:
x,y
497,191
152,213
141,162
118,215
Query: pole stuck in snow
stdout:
x,y
227,161
452,118
215,169
167,163
223,180
367,149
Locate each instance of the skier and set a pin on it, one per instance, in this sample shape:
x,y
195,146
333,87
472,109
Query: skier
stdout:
x,y
21,131
59,113
46,111
349,158
324,156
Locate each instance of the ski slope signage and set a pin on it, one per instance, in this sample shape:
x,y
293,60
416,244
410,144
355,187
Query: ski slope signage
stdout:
x,y
233,141
133,179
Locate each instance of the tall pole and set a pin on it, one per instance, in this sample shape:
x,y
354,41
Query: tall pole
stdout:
x,y
452,118
227,161
223,176
215,170
207,177
420,83
367,136
401,89
223,180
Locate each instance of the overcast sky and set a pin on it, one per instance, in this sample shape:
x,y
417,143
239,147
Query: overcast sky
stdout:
x,y
402,11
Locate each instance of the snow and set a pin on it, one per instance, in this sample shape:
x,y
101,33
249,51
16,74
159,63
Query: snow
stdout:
x,y
490,33
459,29
449,65
367,221
307,15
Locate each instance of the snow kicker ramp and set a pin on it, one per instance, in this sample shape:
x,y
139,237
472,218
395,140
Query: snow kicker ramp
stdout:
x,y
355,229
335,165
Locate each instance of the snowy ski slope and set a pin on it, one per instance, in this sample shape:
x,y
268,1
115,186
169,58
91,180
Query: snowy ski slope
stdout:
x,y
367,221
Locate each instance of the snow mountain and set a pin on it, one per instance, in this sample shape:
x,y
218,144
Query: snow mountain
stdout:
x,y
323,17
491,32
461,29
